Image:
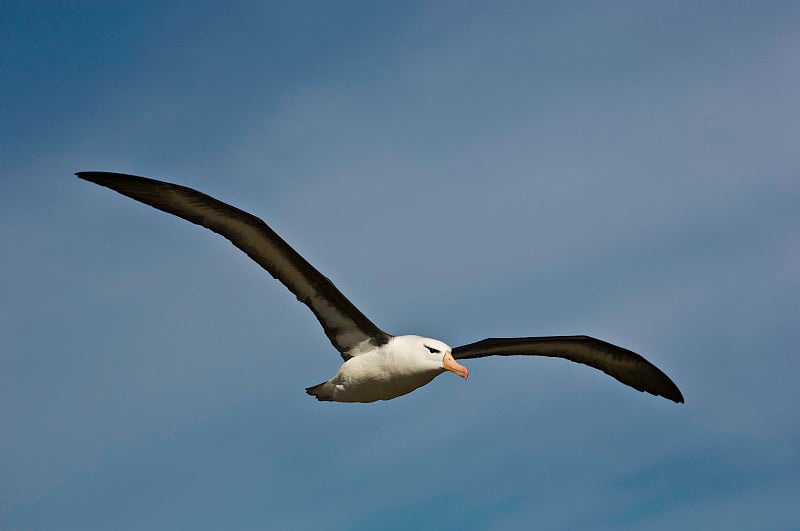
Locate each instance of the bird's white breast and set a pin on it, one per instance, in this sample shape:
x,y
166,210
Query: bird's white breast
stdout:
x,y
377,375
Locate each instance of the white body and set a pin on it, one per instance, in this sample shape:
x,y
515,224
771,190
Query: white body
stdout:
x,y
403,364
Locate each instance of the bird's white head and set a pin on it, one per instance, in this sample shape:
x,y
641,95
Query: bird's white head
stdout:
x,y
425,354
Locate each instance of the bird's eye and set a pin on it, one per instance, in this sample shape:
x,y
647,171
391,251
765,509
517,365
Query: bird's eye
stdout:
x,y
432,350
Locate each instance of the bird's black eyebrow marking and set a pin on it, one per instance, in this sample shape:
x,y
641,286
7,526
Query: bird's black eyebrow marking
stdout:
x,y
432,350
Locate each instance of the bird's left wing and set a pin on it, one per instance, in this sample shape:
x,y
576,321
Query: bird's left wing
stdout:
x,y
347,328
622,364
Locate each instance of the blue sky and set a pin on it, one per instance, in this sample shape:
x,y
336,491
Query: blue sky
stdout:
x,y
627,170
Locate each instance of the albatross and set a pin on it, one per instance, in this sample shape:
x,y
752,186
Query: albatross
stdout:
x,y
376,365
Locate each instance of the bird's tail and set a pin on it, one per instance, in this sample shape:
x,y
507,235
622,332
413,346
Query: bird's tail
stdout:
x,y
323,391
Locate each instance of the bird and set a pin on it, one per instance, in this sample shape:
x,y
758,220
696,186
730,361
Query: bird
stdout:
x,y
376,365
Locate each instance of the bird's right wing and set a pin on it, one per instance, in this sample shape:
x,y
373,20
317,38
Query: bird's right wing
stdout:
x,y
620,363
347,328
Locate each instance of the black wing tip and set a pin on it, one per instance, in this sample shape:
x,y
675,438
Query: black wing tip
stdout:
x,y
122,182
88,175
102,176
675,395
662,386
668,389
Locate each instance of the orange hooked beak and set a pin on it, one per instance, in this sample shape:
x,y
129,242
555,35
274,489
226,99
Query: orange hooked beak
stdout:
x,y
449,363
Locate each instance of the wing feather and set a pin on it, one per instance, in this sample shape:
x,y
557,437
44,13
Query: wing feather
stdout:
x,y
344,324
620,363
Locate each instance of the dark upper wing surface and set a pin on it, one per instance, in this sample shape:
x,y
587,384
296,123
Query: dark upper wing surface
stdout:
x,y
344,324
626,366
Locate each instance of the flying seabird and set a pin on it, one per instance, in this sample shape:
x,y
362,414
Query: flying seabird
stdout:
x,y
377,365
